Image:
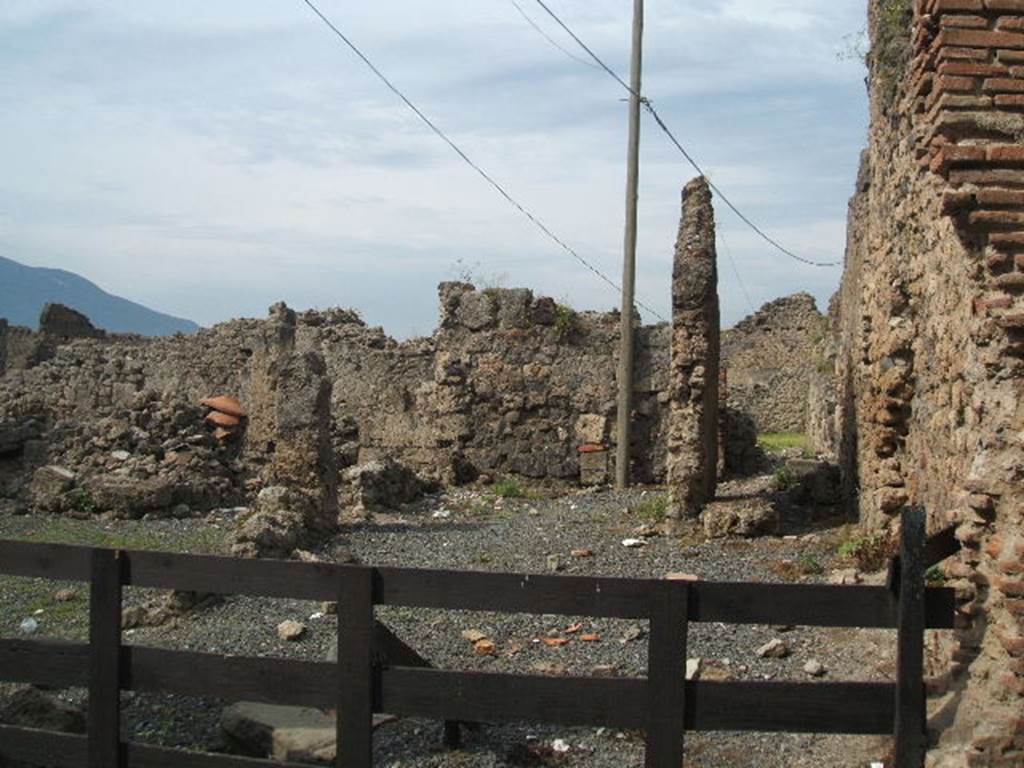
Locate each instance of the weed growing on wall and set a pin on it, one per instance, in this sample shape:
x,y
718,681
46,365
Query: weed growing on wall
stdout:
x,y
891,49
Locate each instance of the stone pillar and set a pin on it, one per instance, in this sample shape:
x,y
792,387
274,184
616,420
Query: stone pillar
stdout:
x,y
289,429
691,466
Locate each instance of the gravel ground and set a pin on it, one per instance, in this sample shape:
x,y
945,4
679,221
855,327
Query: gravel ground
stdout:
x,y
475,531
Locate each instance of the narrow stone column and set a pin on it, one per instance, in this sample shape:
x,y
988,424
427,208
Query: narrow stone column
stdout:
x,y
289,431
691,466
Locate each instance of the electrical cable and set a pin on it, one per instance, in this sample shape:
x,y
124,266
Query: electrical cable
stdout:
x,y
665,129
455,147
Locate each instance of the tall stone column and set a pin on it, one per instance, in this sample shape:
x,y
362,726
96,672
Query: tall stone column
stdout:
x,y
290,420
692,461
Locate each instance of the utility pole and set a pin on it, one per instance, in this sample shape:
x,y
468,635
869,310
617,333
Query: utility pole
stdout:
x,y
625,374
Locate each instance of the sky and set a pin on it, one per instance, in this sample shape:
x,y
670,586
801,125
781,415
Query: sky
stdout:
x,y
210,158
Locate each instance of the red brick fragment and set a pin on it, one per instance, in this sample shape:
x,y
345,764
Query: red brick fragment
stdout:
x,y
963,21
956,154
1003,85
1010,587
952,52
225,404
953,84
1006,153
1007,241
1010,23
1000,197
991,176
223,419
1012,281
975,38
972,69
983,305
941,6
1013,645
1005,5
1010,101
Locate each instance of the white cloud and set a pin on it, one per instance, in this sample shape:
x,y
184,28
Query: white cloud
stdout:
x,y
209,158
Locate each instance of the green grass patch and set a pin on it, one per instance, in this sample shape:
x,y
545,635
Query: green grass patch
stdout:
x,y
567,322
652,509
198,539
21,598
776,442
784,479
509,488
810,565
870,553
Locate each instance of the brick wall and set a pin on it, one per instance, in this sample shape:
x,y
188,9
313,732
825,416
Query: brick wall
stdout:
x,y
931,339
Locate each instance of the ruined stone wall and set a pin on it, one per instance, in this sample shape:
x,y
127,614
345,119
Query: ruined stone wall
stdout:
x,y
930,365
771,359
21,347
518,384
509,383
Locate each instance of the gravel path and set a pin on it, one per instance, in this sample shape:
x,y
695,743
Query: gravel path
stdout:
x,y
474,531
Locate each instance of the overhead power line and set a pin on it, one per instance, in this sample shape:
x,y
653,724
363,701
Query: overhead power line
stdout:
x,y
689,158
550,39
736,271
483,174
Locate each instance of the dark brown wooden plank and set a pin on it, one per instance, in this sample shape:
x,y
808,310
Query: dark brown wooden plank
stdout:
x,y
145,756
940,607
44,662
104,716
747,603
50,561
666,673
941,546
61,750
267,680
475,696
911,714
355,672
54,750
869,707
237,576
937,548
852,708
187,673
390,651
513,593
801,604
737,603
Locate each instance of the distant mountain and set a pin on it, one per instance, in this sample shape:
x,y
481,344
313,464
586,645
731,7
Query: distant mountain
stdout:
x,y
24,290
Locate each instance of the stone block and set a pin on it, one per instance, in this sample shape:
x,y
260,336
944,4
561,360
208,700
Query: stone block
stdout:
x,y
594,468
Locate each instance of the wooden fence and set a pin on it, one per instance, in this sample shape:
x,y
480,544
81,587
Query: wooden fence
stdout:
x,y
663,704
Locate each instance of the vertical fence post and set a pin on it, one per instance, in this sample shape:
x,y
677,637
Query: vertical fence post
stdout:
x,y
355,668
666,675
104,726
911,727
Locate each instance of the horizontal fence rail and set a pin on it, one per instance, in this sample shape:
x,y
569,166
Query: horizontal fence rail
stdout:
x,y
821,605
377,673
